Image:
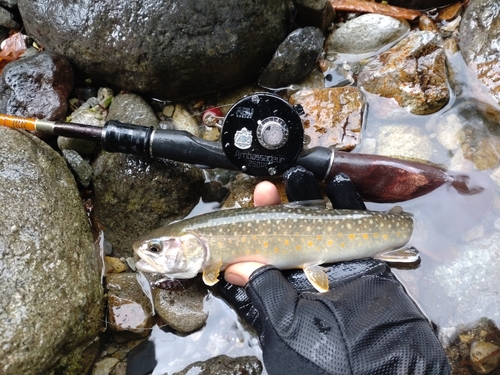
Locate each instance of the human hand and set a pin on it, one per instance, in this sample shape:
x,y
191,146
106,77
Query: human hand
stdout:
x,y
365,324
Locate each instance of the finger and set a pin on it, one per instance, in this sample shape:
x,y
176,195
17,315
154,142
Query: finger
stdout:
x,y
266,194
239,273
300,185
343,194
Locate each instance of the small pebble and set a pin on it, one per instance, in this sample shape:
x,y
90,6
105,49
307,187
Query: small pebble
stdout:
x,y
484,356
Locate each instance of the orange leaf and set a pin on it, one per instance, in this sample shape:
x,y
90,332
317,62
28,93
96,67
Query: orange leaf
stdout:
x,y
363,6
13,47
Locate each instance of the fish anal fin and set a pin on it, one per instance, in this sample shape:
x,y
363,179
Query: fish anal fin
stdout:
x,y
317,277
396,210
211,272
405,255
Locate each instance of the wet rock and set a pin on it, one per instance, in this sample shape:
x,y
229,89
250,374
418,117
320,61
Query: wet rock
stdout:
x,y
317,13
131,107
182,310
413,72
51,309
80,167
294,59
404,141
241,191
186,49
36,86
135,195
129,310
115,265
224,365
479,35
476,349
333,116
449,132
485,356
104,366
183,120
8,3
482,150
366,34
8,19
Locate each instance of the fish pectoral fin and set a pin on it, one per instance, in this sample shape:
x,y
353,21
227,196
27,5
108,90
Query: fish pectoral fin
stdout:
x,y
317,277
405,255
396,210
211,272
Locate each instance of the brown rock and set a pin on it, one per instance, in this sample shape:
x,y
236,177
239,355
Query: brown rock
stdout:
x,y
334,116
129,310
182,310
413,72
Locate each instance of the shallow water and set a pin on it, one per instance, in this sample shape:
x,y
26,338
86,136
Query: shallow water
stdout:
x,y
458,236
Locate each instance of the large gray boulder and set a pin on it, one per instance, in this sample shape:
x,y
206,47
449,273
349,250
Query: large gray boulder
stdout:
x,y
52,300
170,49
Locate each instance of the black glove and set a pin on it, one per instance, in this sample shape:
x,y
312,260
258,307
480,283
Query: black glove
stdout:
x,y
365,323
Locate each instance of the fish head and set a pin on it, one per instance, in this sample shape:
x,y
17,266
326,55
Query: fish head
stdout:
x,y
178,257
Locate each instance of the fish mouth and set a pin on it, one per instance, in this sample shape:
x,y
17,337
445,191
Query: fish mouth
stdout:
x,y
144,266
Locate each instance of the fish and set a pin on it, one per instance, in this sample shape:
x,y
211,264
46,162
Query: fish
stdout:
x,y
285,236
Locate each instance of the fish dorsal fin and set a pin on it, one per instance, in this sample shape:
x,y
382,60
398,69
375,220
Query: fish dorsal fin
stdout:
x,y
317,277
211,272
396,210
405,255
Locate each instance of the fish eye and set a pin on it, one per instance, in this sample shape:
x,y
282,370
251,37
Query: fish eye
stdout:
x,y
154,246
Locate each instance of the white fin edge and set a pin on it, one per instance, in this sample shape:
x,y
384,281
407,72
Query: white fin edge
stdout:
x,y
405,255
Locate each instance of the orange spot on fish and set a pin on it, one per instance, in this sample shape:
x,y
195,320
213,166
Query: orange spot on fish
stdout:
x,y
319,238
276,249
298,247
385,236
329,243
247,251
286,242
365,236
266,244
398,234
339,235
375,235
220,244
342,244
243,239
352,236
309,243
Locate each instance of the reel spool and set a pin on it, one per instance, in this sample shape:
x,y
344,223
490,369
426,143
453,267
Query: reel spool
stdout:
x,y
262,134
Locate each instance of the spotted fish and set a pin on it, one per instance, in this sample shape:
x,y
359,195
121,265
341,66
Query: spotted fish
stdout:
x,y
285,236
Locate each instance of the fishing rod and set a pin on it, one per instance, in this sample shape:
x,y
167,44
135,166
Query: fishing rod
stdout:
x,y
262,135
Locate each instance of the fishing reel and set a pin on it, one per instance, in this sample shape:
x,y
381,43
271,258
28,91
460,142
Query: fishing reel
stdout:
x,y
262,134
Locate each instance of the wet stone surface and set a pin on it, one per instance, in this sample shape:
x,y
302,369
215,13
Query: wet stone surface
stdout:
x,y
480,31
182,310
413,72
352,37
224,365
165,51
129,310
51,307
294,59
37,86
476,348
333,116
